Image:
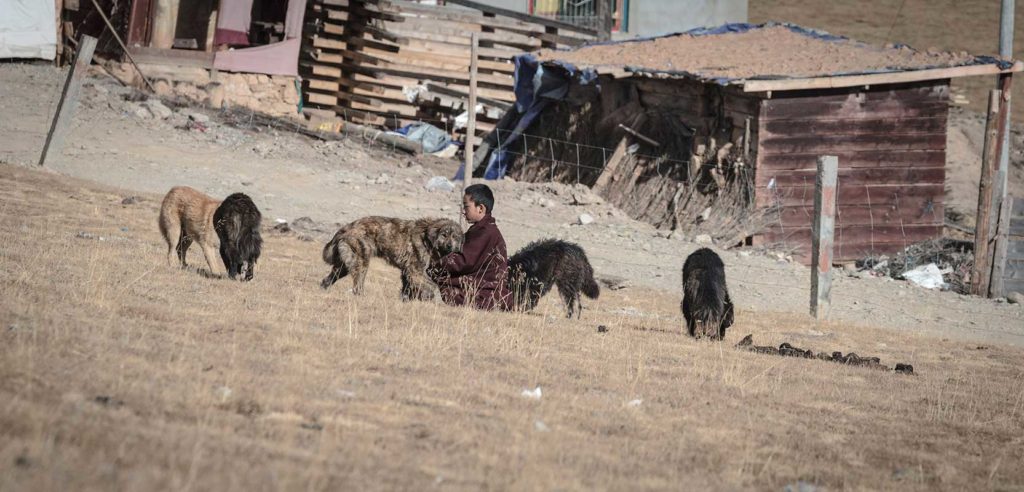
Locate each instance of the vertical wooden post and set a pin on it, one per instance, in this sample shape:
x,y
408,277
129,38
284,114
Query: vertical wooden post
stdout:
x,y
467,174
544,43
1001,248
68,98
983,220
604,19
165,23
822,235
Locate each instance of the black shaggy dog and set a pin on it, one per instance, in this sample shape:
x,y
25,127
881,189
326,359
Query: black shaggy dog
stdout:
x,y
706,305
550,262
237,222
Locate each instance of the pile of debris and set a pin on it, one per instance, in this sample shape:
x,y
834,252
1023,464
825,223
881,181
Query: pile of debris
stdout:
x,y
941,263
852,359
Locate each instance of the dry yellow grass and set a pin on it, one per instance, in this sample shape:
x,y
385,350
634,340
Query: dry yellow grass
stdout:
x,y
117,372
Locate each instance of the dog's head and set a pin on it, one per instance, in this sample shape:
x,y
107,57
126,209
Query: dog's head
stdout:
x,y
444,236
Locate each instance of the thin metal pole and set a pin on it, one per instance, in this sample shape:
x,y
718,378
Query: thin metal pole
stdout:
x,y
1006,52
467,174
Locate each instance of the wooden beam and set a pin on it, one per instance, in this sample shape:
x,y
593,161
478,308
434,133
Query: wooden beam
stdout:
x,y
610,167
823,235
875,78
69,98
980,276
523,17
332,129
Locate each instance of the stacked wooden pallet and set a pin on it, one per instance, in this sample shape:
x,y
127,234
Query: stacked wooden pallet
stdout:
x,y
392,62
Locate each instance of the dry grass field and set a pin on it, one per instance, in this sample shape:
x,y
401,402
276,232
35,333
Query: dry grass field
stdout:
x,y
119,372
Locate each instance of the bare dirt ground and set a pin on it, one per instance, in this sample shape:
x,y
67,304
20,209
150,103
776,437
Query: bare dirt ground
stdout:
x,y
119,372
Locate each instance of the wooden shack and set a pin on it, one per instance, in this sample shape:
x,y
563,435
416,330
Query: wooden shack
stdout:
x,y
765,101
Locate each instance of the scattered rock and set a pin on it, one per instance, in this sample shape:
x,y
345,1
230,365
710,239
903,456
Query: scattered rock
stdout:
x,y
585,219
440,183
140,112
131,200
382,179
89,235
158,109
602,329
580,197
613,282
546,203
634,403
198,117
311,426
703,239
1015,298
800,486
540,426
108,401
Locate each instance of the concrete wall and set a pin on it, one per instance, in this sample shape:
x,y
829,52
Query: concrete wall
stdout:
x,y
655,17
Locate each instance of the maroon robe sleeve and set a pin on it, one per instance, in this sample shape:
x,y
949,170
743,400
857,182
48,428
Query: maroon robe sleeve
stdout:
x,y
474,248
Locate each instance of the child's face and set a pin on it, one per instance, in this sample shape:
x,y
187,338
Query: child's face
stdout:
x,y
473,211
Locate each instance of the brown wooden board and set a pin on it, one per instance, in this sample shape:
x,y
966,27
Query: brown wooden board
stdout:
x,y
860,194
862,176
921,210
857,236
876,126
875,158
774,109
834,144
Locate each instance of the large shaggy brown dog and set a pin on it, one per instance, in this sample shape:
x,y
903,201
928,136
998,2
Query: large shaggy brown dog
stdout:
x,y
408,245
237,222
542,264
186,216
706,305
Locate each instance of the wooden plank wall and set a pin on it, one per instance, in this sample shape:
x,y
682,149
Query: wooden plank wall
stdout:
x,y
1013,272
362,57
891,144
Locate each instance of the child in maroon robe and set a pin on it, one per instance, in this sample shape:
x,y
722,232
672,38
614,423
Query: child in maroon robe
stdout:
x,y
478,274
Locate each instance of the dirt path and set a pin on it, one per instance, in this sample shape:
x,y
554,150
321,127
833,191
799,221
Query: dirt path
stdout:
x,y
291,176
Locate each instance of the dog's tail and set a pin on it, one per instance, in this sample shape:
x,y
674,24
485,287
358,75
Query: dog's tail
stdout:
x,y
331,255
590,287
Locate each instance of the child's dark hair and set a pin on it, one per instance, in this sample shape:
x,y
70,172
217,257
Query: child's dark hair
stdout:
x,y
481,195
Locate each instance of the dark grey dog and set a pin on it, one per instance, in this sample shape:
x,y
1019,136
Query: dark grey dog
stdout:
x,y
237,222
706,305
542,264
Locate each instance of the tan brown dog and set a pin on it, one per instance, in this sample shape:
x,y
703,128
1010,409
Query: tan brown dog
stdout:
x,y
186,216
408,245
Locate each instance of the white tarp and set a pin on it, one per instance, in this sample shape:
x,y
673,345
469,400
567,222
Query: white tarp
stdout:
x,y
28,29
